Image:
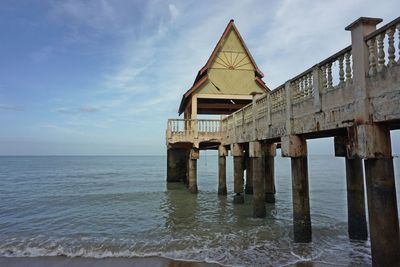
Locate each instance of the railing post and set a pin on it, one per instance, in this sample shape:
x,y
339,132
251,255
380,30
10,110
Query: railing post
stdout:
x,y
269,110
359,29
288,95
254,114
316,76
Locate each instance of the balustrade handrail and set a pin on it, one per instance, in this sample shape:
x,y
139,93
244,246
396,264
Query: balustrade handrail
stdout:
x,y
309,70
199,125
194,120
382,29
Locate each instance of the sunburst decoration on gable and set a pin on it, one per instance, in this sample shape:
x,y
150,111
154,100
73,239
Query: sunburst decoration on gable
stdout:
x,y
232,60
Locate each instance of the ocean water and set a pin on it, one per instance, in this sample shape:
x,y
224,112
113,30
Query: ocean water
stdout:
x,y
115,206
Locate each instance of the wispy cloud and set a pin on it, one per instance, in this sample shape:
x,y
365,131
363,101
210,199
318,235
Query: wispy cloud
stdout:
x,y
10,107
75,110
41,54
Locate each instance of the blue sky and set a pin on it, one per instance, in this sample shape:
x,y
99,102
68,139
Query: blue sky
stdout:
x,y
102,76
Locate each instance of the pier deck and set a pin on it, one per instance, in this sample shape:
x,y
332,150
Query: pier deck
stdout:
x,y
353,96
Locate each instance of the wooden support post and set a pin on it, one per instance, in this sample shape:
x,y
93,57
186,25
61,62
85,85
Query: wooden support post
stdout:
x,y
269,172
357,222
194,155
374,145
176,165
222,153
295,146
237,152
256,156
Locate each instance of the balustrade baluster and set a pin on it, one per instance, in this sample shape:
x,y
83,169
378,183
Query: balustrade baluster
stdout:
x,y
398,35
391,49
305,78
310,84
296,91
381,52
329,70
300,91
372,59
324,81
341,70
348,67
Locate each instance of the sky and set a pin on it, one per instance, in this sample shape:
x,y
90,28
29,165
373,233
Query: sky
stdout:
x,y
101,77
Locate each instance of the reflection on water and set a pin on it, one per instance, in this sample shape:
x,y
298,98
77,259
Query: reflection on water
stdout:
x,y
122,207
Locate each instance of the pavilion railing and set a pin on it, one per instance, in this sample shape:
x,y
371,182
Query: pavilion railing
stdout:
x,y
193,128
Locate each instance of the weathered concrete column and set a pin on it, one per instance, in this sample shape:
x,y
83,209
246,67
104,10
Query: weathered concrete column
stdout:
x,y
256,156
194,155
237,152
374,145
295,146
248,189
269,172
357,222
222,153
176,164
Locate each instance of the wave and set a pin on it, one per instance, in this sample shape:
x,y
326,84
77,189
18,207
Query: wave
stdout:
x,y
231,251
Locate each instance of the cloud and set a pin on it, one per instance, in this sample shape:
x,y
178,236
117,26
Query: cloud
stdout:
x,y
10,107
74,110
41,54
98,14
174,12
88,109
64,130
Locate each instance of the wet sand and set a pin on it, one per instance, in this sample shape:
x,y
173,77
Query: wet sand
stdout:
x,y
60,261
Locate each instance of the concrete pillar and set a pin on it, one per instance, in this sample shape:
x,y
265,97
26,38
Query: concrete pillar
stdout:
x,y
269,172
237,152
295,147
374,145
177,160
249,174
222,153
194,155
256,156
382,211
357,222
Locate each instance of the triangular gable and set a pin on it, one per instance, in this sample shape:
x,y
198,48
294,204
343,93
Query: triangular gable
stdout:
x,y
231,26
224,58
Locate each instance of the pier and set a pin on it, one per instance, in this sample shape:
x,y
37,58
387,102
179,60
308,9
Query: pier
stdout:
x,y
353,96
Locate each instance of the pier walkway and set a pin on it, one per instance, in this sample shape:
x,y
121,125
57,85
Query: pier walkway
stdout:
x,y
353,96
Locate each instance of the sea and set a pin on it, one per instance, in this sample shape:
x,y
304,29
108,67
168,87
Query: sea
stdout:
x,y
121,206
